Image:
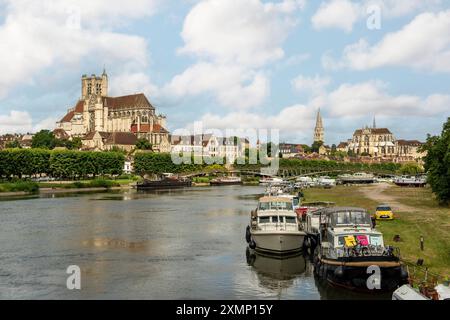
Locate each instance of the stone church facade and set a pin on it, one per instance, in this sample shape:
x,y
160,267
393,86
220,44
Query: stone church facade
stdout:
x,y
96,111
380,143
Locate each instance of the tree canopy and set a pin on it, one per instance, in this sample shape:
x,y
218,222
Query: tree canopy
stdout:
x,y
437,163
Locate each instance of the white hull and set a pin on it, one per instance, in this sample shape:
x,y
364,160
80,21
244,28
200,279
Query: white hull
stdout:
x,y
278,242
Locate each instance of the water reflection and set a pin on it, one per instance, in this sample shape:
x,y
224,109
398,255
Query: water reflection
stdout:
x,y
276,273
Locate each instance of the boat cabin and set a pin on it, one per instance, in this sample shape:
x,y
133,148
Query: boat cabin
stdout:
x,y
345,231
275,213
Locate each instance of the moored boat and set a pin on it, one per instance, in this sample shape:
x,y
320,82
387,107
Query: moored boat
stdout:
x,y
226,181
168,182
270,180
357,178
274,227
349,249
407,181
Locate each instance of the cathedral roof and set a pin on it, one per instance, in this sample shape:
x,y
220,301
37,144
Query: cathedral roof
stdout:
x,y
409,143
145,128
68,117
78,109
373,131
121,138
134,100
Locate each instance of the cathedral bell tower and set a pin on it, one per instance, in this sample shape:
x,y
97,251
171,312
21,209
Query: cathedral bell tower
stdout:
x,y
318,130
93,89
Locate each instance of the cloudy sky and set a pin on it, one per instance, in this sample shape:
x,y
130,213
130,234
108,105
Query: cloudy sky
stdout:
x,y
234,63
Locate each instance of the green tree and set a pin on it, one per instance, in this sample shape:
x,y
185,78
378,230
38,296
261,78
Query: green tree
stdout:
x,y
333,148
411,168
13,144
437,163
316,146
44,139
143,144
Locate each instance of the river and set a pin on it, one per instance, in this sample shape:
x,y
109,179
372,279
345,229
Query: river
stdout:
x,y
177,244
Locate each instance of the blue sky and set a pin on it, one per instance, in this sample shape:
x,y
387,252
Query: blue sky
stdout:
x,y
234,63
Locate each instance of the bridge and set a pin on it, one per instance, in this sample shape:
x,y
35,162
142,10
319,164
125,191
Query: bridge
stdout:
x,y
289,174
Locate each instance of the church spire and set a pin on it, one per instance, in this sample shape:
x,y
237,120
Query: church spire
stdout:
x,y
374,122
318,130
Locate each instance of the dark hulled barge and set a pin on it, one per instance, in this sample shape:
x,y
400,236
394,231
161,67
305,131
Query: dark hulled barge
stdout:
x,y
164,183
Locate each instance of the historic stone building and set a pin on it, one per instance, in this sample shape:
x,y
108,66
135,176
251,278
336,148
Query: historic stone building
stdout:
x,y
380,143
319,130
98,112
376,142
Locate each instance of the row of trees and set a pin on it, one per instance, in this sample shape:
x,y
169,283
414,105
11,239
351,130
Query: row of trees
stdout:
x,y
59,164
296,164
437,163
158,163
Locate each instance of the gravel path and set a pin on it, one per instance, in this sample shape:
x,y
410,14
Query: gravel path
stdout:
x,y
377,193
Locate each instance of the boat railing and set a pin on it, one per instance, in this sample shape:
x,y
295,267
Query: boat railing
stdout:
x,y
360,251
277,227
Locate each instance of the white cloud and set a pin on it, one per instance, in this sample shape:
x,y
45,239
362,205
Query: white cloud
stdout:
x,y
424,43
22,122
46,124
368,98
227,82
314,85
132,82
233,40
15,122
247,32
341,14
283,121
36,35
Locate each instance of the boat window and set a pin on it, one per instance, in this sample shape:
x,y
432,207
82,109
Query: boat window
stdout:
x,y
264,219
275,219
290,220
351,218
343,218
376,240
295,201
281,219
275,205
264,206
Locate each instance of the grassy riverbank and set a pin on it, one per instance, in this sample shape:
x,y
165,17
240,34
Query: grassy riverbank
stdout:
x,y
19,186
34,187
417,214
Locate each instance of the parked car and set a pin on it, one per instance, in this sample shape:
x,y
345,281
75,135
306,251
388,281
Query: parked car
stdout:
x,y
384,212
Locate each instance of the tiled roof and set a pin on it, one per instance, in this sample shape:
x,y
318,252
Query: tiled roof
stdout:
x,y
121,138
60,133
68,117
134,100
342,145
374,131
78,109
145,128
409,143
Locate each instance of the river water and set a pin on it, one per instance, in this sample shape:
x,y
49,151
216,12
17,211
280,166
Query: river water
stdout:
x,y
177,244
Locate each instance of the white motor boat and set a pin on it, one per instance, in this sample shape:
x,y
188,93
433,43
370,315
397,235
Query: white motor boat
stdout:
x,y
274,227
357,178
270,180
406,181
